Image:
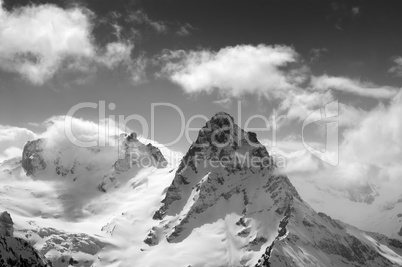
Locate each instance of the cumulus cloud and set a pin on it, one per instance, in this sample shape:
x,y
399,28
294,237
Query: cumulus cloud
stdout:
x,y
37,41
377,141
234,71
12,139
369,152
275,72
352,86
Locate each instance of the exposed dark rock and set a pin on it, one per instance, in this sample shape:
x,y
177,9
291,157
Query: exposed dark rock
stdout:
x,y
16,252
6,225
32,157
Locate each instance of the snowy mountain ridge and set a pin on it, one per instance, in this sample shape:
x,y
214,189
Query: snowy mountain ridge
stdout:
x,y
224,205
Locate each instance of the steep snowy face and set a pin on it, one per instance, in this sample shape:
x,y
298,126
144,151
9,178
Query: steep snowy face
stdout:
x,y
16,251
308,238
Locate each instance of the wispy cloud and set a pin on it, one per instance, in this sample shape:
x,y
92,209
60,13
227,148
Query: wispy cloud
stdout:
x,y
342,12
353,86
316,53
185,29
141,17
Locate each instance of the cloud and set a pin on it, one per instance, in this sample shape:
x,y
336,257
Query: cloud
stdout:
x,y
274,72
397,69
298,104
369,152
235,71
352,86
116,53
291,156
377,141
34,40
141,17
316,53
12,139
185,29
38,41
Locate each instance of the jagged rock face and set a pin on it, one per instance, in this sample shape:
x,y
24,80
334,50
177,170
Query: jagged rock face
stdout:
x,y
33,160
32,157
16,251
6,225
222,148
222,140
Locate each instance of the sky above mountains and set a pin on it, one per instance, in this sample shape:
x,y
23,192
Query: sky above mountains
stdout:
x,y
282,58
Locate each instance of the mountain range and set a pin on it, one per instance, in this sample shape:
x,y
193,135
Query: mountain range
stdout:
x,y
225,204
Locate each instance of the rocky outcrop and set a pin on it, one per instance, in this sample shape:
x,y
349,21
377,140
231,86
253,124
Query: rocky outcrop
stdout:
x,y
16,251
32,157
6,225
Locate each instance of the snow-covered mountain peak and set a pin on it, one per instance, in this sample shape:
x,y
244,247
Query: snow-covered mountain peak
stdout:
x,y
256,213
226,172
66,159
